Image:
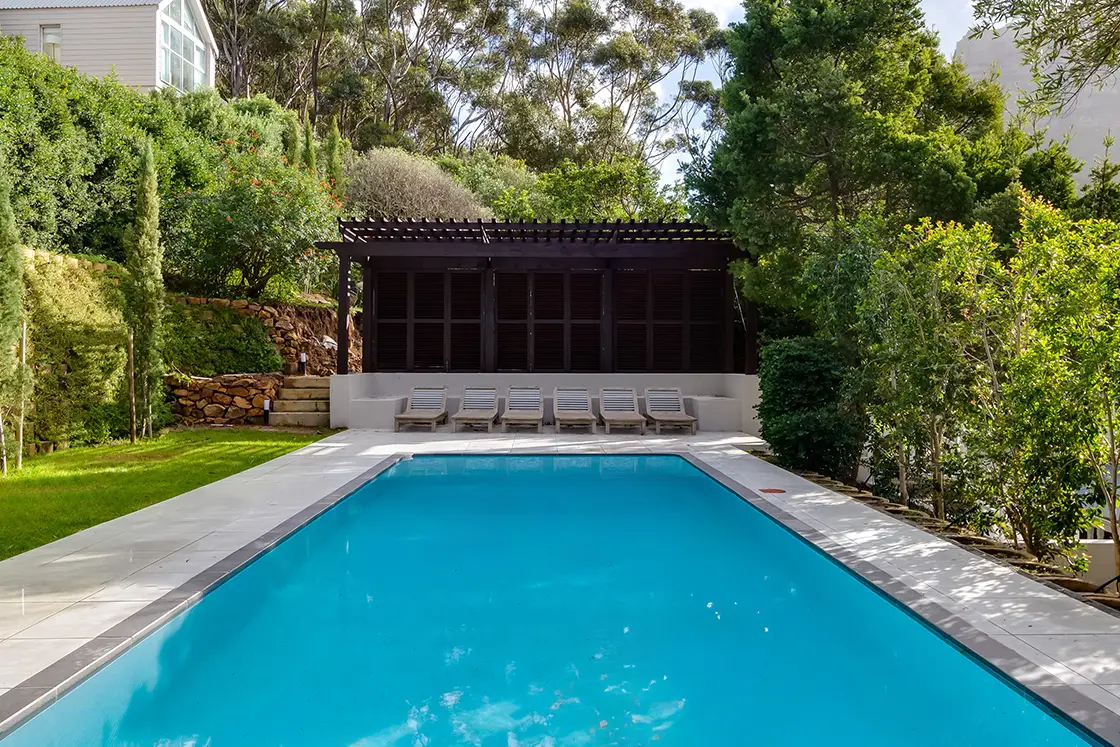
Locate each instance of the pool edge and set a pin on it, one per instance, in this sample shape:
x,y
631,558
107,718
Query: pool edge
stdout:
x,y
27,699
1060,700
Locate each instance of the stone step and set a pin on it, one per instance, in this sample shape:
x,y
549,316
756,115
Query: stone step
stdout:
x,y
301,419
301,405
316,394
308,382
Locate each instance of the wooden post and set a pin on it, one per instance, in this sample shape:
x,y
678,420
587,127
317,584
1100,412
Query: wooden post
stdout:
x,y
131,392
368,318
343,363
22,396
752,337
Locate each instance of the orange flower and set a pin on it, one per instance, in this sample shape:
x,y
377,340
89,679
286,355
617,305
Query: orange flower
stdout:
x,y
228,218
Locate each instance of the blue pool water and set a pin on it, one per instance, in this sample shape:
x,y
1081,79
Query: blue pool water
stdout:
x,y
548,602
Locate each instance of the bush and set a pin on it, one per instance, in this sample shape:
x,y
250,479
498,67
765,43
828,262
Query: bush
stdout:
x,y
389,183
76,349
804,414
215,341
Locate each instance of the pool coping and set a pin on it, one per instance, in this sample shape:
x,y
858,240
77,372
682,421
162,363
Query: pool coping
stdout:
x,y
21,703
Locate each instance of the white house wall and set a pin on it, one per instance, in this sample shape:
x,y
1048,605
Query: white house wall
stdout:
x,y
96,41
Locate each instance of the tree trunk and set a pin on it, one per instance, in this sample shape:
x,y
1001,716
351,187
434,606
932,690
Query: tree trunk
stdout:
x,y
131,393
22,397
938,475
147,407
1114,526
903,478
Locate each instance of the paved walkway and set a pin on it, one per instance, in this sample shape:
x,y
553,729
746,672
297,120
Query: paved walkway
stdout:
x,y
57,599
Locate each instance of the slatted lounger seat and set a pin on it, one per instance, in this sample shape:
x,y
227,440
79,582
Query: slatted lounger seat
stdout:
x,y
572,407
665,407
427,405
618,406
479,407
524,406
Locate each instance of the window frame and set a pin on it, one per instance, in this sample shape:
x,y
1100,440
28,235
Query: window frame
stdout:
x,y
199,60
43,29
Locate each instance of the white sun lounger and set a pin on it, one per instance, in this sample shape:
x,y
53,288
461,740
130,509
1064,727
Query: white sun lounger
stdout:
x,y
427,405
524,406
571,406
665,407
479,407
618,407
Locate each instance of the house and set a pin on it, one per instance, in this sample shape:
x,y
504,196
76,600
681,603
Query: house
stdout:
x,y
146,43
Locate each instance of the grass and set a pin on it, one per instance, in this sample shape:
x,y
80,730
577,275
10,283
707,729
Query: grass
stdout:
x,y
62,493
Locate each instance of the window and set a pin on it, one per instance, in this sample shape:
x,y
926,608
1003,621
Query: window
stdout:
x,y
52,42
182,51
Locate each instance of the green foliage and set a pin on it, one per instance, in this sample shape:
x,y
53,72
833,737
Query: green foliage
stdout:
x,y
293,138
308,155
143,288
389,183
215,341
833,109
804,412
1101,196
11,294
623,189
76,350
334,161
259,221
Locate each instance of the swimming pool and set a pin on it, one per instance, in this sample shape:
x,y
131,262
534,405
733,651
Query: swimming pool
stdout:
x,y
547,601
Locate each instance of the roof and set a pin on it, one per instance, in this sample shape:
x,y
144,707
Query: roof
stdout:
x,y
493,238
33,4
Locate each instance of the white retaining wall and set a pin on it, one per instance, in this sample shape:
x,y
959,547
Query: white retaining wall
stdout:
x,y
721,402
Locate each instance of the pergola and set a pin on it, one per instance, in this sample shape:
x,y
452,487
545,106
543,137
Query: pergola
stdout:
x,y
495,296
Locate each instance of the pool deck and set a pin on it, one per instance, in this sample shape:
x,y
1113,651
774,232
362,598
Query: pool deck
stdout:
x,y
68,607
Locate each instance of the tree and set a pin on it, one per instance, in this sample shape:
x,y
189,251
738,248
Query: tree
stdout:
x,y
258,223
236,24
334,160
1100,198
293,138
1069,45
833,109
308,155
624,189
143,288
389,183
11,314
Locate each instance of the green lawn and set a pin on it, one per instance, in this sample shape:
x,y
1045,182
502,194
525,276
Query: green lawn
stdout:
x,y
62,493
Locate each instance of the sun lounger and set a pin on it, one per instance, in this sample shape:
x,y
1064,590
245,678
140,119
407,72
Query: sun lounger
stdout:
x,y
665,407
524,406
618,406
572,407
479,407
427,405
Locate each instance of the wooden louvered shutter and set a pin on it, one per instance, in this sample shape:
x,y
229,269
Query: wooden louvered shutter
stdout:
x,y
631,308
548,321
391,333
585,303
511,306
668,321
428,313
706,306
465,306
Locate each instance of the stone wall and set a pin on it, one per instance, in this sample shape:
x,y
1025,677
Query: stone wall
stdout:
x,y
295,330
233,399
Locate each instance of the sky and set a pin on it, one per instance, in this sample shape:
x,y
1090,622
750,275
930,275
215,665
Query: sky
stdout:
x,y
950,18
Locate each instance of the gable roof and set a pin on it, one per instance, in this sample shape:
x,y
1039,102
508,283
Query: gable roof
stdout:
x,y
32,4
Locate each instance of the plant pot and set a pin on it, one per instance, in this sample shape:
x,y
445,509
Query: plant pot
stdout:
x,y
1108,600
1071,583
1003,551
971,540
1037,568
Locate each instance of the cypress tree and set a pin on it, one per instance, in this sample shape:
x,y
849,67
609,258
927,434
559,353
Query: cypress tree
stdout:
x,y
308,146
144,286
292,139
11,311
334,159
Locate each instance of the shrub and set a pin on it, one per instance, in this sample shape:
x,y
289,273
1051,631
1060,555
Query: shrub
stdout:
x,y
215,341
76,350
389,183
803,413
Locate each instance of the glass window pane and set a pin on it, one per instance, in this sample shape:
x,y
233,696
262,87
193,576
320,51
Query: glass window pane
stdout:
x,y
176,72
188,53
165,69
188,20
176,42
166,34
177,10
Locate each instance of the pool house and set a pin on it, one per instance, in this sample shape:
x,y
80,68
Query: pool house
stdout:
x,y
495,303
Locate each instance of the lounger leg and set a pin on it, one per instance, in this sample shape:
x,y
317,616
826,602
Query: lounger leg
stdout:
x,y
396,426
607,428
503,426
540,427
592,429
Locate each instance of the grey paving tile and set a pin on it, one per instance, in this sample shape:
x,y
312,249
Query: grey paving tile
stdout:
x,y
1043,662
1094,657
83,621
16,616
1045,616
23,658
